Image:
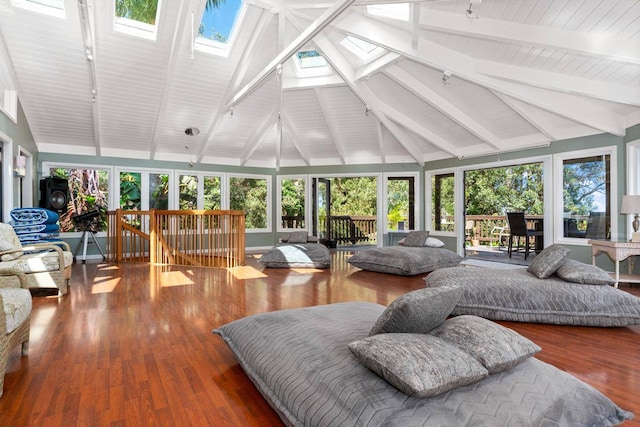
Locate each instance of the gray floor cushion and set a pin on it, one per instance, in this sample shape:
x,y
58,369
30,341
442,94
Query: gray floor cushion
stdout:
x,y
298,255
404,261
300,361
518,295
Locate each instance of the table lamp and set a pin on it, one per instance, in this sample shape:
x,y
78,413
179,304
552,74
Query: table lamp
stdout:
x,y
631,205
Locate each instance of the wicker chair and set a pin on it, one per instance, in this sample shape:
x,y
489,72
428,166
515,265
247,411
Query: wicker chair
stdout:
x,y
45,265
18,301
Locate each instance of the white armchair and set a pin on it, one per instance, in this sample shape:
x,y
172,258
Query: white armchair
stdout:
x,y
45,265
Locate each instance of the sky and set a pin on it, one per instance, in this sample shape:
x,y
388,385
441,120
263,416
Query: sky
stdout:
x,y
221,19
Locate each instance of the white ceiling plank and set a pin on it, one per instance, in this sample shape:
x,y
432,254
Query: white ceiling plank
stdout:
x,y
428,95
462,66
415,24
335,135
366,96
380,141
86,15
377,65
529,113
314,28
176,42
293,82
594,45
238,75
295,139
561,82
254,142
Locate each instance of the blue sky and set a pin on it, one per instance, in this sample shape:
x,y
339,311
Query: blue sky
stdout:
x,y
221,19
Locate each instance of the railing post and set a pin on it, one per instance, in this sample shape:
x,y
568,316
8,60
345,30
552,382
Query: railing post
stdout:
x,y
153,239
118,235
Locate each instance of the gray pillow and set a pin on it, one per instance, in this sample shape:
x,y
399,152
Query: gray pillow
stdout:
x,y
497,348
548,261
586,274
404,260
416,238
298,237
431,242
418,364
298,255
418,311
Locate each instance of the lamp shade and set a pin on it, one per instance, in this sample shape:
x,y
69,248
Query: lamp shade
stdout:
x,y
630,205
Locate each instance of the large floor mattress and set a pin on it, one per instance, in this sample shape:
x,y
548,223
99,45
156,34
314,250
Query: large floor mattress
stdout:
x,y
300,361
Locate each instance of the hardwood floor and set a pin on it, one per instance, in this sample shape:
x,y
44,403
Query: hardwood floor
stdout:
x,y
132,345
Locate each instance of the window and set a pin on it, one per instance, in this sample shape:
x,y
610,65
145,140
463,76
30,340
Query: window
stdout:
x,y
586,196
47,7
292,203
218,24
251,194
400,202
398,11
88,191
143,190
442,202
198,191
363,49
310,63
137,17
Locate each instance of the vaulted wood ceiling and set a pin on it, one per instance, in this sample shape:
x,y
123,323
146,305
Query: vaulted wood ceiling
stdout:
x,y
513,75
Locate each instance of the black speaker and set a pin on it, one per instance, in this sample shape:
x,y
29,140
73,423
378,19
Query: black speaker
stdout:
x,y
54,193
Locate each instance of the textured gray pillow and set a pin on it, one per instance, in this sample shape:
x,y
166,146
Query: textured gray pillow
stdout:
x,y
403,260
432,242
418,311
298,237
548,261
298,255
418,364
586,274
497,348
416,238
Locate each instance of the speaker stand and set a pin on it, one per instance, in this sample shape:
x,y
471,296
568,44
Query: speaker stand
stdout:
x,y
84,240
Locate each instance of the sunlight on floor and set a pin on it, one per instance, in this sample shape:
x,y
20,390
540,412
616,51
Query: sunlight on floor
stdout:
x,y
247,272
174,278
105,287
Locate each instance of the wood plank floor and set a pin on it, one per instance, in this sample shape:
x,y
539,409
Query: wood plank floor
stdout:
x,y
131,345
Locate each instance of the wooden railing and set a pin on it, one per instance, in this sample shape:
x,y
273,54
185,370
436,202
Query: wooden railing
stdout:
x,y
483,225
353,229
184,237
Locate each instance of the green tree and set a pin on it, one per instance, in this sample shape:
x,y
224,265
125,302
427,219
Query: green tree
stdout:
x,y
582,181
354,196
496,191
293,199
188,192
250,195
137,10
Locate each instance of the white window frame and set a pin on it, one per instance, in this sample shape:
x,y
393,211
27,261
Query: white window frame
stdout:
x,y
633,178
201,176
547,201
558,186
269,179
213,47
144,184
307,205
26,186
416,202
380,206
428,177
136,28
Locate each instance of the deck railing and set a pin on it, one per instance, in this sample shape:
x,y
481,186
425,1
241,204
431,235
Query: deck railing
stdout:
x,y
484,226
353,229
183,237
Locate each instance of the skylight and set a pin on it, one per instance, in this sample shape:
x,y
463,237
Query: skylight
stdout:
x,y
310,59
363,49
137,17
398,11
218,22
48,7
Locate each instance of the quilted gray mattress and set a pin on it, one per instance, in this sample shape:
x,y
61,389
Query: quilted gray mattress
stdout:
x,y
517,295
300,362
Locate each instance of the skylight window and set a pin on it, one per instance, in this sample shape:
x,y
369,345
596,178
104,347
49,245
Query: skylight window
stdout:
x,y
363,49
47,7
137,17
310,59
398,11
218,23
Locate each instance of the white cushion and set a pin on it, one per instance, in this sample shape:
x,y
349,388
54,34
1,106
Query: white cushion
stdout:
x,y
17,306
40,262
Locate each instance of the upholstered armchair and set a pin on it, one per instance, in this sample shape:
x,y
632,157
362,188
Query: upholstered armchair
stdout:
x,y
45,265
15,316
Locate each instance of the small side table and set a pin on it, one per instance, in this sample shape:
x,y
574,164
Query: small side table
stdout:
x,y
617,251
